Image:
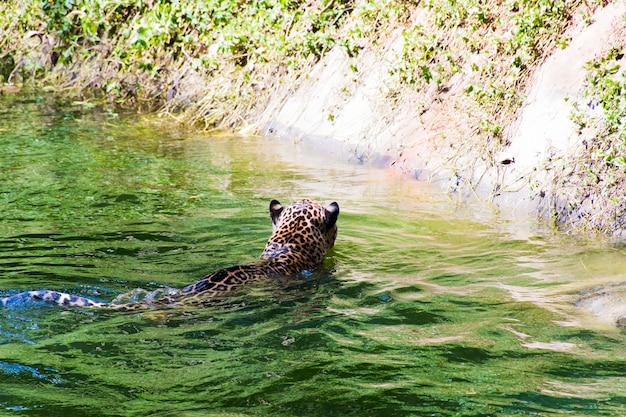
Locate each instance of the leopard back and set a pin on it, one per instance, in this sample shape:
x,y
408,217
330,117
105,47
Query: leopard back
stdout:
x,y
302,234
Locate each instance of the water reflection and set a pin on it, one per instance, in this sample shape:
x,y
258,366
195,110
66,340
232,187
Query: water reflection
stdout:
x,y
426,306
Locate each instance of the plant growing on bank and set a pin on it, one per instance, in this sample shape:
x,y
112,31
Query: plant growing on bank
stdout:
x,y
493,45
146,53
597,201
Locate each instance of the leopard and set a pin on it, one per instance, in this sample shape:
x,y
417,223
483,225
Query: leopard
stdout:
x,y
302,234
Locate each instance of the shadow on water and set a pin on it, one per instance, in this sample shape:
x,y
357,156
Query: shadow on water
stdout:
x,y
424,307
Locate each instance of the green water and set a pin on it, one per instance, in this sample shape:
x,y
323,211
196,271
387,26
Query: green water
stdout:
x,y
426,306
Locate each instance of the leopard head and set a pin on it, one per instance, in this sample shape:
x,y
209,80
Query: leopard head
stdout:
x,y
302,234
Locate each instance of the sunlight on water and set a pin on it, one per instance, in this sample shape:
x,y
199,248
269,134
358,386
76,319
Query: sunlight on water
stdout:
x,y
426,306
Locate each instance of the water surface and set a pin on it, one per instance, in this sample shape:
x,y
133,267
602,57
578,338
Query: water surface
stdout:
x,y
426,306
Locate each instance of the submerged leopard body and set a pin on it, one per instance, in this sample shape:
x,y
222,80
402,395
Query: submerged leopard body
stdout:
x,y
302,234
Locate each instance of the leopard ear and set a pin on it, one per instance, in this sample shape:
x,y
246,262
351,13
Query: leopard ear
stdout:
x,y
332,212
275,209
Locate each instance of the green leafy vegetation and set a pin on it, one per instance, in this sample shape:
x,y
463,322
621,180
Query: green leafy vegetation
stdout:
x,y
143,53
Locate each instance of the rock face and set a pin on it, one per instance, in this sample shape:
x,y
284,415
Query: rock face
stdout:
x,y
347,108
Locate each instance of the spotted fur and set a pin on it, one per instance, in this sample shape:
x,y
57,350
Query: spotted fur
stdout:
x,y
302,234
